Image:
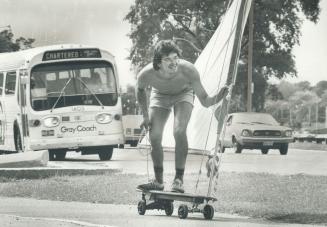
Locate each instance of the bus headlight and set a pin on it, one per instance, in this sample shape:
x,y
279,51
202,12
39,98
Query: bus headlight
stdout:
x,y
103,118
51,121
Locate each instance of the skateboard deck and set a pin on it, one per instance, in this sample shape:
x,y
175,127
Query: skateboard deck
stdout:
x,y
176,196
163,200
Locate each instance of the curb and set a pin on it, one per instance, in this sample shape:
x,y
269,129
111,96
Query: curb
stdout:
x,y
39,173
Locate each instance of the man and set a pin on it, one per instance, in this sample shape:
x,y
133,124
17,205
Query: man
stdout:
x,y
174,82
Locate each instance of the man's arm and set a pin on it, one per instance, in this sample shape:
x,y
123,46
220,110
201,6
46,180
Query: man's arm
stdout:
x,y
142,98
201,93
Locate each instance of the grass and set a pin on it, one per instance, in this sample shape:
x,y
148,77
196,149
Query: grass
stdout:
x,y
294,198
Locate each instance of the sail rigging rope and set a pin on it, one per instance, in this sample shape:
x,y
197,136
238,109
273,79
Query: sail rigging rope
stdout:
x,y
224,126
216,173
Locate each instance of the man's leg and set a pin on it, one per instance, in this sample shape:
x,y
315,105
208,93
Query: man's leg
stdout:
x,y
158,119
182,115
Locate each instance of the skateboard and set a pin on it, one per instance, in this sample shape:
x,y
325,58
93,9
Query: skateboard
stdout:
x,y
164,200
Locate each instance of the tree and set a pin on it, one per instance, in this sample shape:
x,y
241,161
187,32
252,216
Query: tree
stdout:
x,y
321,88
191,23
302,103
8,44
280,109
273,93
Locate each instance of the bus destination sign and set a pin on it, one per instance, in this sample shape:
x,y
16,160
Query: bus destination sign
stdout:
x,y
71,53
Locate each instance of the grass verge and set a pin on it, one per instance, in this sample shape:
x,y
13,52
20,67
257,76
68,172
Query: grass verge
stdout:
x,y
294,198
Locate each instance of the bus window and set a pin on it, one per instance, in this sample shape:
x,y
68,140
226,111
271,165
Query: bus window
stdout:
x,y
10,83
1,83
74,83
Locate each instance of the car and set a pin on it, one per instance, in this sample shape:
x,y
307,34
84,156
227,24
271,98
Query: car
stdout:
x,y
304,135
132,131
249,130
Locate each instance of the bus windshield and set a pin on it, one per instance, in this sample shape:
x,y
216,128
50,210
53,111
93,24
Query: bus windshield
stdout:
x,y
57,85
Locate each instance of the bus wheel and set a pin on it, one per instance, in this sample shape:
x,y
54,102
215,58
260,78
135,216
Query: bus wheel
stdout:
x,y
57,155
18,141
51,155
105,153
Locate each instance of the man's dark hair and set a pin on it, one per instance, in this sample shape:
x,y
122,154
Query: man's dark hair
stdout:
x,y
164,48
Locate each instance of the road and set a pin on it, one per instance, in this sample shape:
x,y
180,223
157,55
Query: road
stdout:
x,y
135,161
18,212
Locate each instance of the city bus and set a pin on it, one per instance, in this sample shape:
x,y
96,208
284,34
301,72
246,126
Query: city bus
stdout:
x,y
60,98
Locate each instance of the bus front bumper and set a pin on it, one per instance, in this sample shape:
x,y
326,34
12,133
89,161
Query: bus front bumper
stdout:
x,y
76,142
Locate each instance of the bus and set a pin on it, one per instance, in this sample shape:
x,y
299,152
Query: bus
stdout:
x,y
60,98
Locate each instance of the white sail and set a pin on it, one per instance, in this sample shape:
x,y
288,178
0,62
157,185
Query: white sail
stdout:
x,y
213,65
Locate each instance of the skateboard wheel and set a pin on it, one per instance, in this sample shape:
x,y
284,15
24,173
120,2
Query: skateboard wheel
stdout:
x,y
141,207
182,211
169,208
208,212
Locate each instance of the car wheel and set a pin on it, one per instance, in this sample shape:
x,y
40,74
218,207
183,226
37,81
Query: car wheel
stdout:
x,y
221,149
283,149
264,150
134,143
236,146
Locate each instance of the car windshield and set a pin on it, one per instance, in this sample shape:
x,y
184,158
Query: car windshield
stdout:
x,y
255,119
73,83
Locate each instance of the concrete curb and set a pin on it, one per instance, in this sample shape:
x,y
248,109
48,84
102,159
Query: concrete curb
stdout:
x,y
39,173
25,159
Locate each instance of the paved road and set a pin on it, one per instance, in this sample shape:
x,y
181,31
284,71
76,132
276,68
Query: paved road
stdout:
x,y
135,161
17,212
40,213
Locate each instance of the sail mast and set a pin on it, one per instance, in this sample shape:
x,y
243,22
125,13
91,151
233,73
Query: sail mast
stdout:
x,y
231,78
233,64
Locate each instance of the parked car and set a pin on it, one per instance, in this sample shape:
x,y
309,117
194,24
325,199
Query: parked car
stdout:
x,y
132,131
304,135
250,130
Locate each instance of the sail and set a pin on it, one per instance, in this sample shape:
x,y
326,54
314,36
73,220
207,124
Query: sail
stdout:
x,y
216,65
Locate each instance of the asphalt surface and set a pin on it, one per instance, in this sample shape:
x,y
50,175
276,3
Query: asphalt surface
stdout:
x,y
19,212
22,212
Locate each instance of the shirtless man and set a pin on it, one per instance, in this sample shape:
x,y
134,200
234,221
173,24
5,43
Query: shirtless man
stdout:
x,y
174,82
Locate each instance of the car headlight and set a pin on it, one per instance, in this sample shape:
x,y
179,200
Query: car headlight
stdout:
x,y
51,121
103,118
288,133
246,133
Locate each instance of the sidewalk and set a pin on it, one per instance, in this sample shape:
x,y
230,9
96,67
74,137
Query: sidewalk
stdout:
x,y
22,212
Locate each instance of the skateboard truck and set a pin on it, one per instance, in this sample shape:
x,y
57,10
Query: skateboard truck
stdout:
x,y
162,200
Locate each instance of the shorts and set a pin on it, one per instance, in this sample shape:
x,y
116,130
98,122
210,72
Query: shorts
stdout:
x,y
169,101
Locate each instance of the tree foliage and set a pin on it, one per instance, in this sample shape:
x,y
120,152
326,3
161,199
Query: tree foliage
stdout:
x,y
191,23
9,44
298,103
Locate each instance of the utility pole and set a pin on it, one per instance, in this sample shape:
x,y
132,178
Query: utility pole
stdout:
x,y
250,54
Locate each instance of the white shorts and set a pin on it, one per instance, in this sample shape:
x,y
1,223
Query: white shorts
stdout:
x,y
168,101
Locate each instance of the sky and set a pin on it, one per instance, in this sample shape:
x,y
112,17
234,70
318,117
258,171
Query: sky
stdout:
x,y
100,23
